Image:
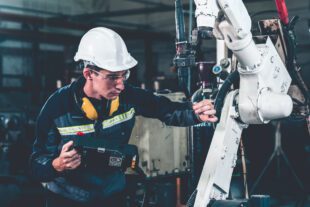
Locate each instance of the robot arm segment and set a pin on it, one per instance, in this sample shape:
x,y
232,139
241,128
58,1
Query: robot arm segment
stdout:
x,y
206,13
262,73
262,96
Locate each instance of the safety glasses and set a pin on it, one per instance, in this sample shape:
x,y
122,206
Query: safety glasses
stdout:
x,y
112,77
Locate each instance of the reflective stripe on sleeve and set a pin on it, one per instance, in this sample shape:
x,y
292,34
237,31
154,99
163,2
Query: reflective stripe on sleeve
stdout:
x,y
118,119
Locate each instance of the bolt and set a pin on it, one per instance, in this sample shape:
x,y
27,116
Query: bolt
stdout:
x,y
217,69
237,140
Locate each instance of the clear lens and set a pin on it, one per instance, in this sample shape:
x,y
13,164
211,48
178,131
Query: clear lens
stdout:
x,y
114,78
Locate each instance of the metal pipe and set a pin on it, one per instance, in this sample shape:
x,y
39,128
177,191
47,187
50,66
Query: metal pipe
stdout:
x,y
179,21
125,12
36,11
34,36
244,170
150,71
190,20
61,23
42,21
221,51
178,193
123,24
149,2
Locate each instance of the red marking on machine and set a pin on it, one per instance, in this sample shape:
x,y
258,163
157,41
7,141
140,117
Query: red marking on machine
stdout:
x,y
282,10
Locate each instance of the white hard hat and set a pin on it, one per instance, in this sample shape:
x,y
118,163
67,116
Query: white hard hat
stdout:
x,y
105,49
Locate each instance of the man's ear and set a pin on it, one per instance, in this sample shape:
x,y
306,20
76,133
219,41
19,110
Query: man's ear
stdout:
x,y
87,74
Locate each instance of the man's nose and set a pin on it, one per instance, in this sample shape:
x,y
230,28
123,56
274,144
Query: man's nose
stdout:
x,y
120,84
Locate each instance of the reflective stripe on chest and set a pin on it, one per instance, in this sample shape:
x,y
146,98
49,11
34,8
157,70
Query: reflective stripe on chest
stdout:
x,y
89,128
73,130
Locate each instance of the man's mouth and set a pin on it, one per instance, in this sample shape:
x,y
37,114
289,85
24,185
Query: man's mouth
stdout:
x,y
114,94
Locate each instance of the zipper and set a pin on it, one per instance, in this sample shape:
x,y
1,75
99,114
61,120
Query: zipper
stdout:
x,y
97,131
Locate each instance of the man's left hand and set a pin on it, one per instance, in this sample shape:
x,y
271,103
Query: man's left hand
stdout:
x,y
205,111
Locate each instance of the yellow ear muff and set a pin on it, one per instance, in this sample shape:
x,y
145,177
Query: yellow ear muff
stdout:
x,y
89,109
114,106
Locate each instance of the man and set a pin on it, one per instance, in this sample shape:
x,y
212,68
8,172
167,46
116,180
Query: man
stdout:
x,y
99,105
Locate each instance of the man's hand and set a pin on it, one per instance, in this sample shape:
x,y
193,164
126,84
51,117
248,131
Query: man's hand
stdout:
x,y
205,111
68,159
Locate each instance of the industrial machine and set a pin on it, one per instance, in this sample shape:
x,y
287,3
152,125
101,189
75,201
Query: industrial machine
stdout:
x,y
261,70
163,150
265,78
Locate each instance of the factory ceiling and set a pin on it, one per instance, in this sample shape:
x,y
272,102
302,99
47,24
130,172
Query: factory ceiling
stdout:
x,y
51,21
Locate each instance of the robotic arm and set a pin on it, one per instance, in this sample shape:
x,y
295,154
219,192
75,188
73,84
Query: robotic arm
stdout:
x,y
262,96
208,13
264,80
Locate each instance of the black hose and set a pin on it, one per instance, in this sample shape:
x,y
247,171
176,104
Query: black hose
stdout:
x,y
293,69
290,39
226,87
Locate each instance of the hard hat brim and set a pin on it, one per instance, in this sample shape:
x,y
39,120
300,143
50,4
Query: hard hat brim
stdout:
x,y
113,68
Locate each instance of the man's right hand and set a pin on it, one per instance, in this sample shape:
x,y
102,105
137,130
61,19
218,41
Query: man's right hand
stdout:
x,y
69,159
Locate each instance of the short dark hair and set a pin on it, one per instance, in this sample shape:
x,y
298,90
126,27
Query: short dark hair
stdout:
x,y
93,67
81,65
